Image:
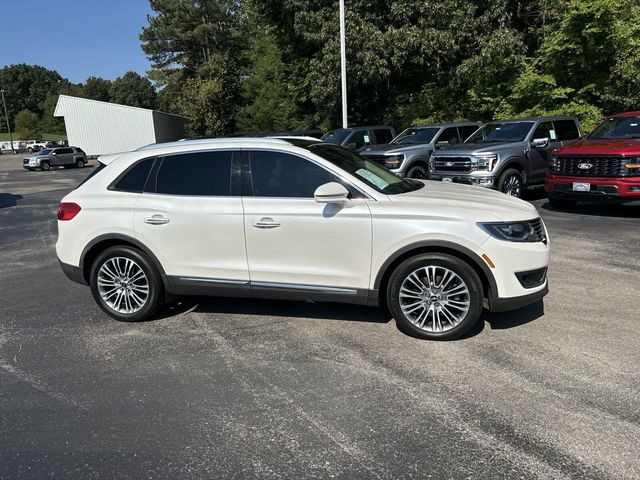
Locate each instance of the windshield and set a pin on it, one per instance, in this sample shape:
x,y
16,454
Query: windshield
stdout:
x,y
371,173
46,151
414,136
336,137
617,127
501,132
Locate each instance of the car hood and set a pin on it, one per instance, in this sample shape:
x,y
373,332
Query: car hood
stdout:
x,y
621,146
37,157
481,203
467,148
391,149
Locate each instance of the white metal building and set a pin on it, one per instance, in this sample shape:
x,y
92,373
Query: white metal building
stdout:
x,y
102,127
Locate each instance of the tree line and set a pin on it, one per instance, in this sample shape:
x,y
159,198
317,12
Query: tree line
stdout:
x,y
267,65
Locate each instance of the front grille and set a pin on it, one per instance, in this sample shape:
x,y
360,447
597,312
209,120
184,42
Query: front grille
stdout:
x,y
376,158
609,166
451,164
25,161
539,229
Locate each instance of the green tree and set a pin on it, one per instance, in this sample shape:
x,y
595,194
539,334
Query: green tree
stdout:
x,y
96,88
27,125
49,123
133,90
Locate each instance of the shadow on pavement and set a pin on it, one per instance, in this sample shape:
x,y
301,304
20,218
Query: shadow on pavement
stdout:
x,y
9,200
275,308
599,210
515,318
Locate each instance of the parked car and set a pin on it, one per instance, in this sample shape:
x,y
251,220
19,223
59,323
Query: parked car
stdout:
x,y
408,154
356,138
602,168
508,155
297,219
33,145
56,157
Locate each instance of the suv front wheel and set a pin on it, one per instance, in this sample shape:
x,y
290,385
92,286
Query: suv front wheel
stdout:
x,y
125,284
435,296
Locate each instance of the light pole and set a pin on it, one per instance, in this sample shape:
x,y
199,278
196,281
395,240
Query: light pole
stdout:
x,y
343,67
7,117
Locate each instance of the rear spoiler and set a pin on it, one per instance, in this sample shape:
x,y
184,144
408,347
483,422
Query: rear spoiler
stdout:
x,y
107,159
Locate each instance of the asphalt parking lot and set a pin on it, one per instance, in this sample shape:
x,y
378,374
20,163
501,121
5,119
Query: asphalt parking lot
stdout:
x,y
221,388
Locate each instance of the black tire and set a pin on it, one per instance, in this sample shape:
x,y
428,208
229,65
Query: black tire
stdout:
x,y
562,204
45,166
465,274
156,289
418,170
511,183
30,150
79,163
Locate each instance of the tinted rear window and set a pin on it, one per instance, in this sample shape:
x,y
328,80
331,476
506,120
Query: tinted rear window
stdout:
x,y
201,173
135,178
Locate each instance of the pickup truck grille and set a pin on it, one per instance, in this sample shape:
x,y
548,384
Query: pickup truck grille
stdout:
x,y
376,158
601,166
451,164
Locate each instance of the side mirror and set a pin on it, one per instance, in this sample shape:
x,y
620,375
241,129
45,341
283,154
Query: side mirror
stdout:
x,y
442,144
332,192
540,142
350,146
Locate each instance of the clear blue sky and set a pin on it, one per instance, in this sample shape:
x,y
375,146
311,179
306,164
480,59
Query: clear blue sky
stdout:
x,y
78,38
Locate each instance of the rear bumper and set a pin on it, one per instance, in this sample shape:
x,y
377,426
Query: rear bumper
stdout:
x,y
603,189
73,273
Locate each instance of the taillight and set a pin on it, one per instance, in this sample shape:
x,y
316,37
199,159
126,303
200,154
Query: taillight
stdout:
x,y
68,210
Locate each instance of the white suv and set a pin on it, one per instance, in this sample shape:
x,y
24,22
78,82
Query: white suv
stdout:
x,y
297,219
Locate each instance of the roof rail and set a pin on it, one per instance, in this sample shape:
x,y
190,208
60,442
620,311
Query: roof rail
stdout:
x,y
216,140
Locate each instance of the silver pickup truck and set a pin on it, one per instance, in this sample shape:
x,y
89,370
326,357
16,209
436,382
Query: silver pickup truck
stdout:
x,y
53,157
507,155
408,154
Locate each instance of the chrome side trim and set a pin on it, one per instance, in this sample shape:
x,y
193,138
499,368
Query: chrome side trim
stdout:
x,y
215,280
311,288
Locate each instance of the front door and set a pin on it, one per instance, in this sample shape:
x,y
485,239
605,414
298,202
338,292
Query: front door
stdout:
x,y
295,243
540,157
192,222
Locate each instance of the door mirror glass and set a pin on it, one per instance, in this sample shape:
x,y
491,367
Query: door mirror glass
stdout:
x,y
331,192
351,146
540,142
442,144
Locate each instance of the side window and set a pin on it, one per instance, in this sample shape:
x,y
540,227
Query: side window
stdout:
x,y
199,173
382,135
449,135
135,178
567,129
468,131
67,150
545,130
276,174
360,138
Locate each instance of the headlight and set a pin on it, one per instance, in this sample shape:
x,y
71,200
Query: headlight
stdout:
x,y
515,231
555,164
393,161
632,165
486,161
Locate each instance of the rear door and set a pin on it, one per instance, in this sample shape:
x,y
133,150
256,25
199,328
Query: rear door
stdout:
x,y
192,220
295,243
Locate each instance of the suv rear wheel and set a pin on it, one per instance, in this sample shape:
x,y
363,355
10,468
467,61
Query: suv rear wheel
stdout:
x,y
79,163
435,296
511,183
125,284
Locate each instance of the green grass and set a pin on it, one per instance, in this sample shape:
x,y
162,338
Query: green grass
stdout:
x,y
4,137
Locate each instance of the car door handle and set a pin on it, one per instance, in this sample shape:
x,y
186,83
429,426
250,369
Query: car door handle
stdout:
x,y
266,222
156,220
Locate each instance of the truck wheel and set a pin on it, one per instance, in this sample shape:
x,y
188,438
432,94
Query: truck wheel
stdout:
x,y
125,284
561,204
79,163
511,183
419,170
435,296
44,166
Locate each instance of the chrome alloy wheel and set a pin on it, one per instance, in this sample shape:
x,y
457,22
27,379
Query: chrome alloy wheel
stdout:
x,y
512,186
123,285
434,298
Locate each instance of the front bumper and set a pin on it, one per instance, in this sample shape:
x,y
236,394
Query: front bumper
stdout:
x,y
603,189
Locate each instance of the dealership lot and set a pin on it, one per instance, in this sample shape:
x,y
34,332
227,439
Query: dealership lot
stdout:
x,y
268,389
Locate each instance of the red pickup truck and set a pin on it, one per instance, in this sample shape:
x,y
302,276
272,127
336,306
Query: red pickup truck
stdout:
x,y
601,168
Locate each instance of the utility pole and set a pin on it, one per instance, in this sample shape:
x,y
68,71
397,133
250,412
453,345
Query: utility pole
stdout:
x,y
343,67
7,117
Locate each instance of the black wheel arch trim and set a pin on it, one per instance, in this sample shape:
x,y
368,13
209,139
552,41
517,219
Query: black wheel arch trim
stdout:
x,y
493,287
125,238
